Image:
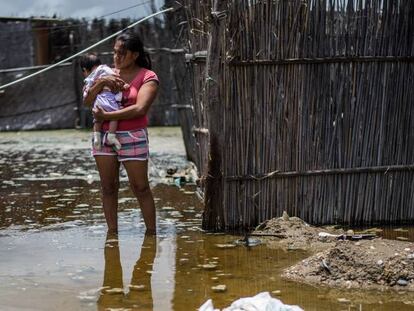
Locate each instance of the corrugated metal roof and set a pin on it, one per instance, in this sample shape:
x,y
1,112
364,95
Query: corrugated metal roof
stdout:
x,y
24,19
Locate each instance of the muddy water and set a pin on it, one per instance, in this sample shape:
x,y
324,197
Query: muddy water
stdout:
x,y
55,254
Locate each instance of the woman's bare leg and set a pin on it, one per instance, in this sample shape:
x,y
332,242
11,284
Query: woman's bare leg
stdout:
x,y
108,167
138,179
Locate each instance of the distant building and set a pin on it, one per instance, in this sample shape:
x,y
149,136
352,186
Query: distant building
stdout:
x,y
25,41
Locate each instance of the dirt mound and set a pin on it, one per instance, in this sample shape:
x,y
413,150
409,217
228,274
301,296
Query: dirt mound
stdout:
x,y
374,264
338,261
293,233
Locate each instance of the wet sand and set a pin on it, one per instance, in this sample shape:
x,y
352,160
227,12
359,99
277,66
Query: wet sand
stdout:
x,y
55,254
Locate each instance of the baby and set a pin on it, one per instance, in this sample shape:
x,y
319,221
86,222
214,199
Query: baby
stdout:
x,y
93,69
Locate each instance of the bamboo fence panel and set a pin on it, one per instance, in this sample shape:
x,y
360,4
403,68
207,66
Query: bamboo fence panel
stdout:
x,y
197,13
317,110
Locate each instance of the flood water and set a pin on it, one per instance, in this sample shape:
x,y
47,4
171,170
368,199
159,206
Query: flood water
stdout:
x,y
55,253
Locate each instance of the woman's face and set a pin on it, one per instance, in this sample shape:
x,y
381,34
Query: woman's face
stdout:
x,y
123,58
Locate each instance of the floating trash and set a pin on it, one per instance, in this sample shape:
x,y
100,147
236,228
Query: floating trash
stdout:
x,y
219,288
137,287
209,266
248,242
168,208
402,282
225,246
343,300
176,214
55,175
49,196
114,291
52,219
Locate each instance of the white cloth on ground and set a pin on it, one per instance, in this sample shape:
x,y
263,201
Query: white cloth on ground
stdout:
x,y
260,302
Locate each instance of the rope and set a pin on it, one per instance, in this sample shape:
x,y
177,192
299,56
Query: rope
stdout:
x,y
86,49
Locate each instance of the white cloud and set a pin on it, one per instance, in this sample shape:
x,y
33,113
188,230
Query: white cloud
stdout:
x,y
45,8
89,12
73,8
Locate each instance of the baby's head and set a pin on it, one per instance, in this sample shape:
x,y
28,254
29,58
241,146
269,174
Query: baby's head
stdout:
x,y
88,63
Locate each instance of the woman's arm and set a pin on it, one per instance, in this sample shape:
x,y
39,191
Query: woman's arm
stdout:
x,y
145,97
113,82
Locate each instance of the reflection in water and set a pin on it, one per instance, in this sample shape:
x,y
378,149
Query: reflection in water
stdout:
x,y
139,293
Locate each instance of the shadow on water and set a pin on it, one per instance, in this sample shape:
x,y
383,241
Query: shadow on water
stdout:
x,y
55,253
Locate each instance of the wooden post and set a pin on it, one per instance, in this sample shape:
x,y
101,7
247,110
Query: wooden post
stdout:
x,y
213,214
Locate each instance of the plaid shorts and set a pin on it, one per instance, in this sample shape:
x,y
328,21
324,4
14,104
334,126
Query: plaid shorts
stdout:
x,y
134,146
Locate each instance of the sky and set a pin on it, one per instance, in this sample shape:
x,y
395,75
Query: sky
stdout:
x,y
74,8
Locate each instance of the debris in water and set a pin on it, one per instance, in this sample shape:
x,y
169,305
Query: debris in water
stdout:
x,y
248,242
208,266
168,208
55,175
49,196
402,282
225,246
219,288
136,287
114,291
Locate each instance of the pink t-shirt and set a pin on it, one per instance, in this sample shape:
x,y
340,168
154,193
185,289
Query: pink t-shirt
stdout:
x,y
129,97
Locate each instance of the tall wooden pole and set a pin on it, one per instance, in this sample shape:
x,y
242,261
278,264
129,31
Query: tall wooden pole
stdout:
x,y
213,213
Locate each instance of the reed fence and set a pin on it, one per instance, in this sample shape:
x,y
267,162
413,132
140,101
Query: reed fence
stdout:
x,y
305,106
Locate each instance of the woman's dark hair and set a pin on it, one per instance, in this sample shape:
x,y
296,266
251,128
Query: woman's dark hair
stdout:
x,y
89,60
133,43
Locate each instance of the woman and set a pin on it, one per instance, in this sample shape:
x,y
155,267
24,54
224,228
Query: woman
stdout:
x,y
133,66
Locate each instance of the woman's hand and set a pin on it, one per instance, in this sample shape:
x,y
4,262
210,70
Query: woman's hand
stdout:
x,y
99,114
115,83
